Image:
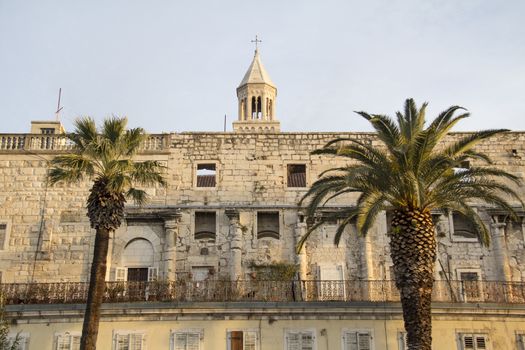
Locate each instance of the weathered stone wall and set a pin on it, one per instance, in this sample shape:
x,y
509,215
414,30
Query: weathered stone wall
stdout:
x,y
50,237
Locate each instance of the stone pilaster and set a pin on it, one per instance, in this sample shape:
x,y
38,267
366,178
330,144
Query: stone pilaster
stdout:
x,y
499,247
235,236
171,228
300,231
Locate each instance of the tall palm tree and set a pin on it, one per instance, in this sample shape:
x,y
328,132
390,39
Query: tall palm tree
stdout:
x,y
413,173
105,157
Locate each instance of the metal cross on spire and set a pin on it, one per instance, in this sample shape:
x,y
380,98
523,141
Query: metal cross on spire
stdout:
x,y
256,41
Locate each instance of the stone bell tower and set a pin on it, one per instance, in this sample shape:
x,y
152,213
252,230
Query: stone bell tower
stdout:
x,y
256,94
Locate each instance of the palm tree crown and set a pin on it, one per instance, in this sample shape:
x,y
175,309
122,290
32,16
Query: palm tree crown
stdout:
x,y
106,158
416,171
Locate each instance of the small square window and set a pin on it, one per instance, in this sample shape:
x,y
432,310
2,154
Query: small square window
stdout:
x,y
205,225
47,131
296,175
206,175
268,225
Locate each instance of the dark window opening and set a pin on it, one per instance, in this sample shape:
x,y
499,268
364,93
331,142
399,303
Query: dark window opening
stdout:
x,y
296,175
47,131
463,227
138,274
268,225
205,225
206,175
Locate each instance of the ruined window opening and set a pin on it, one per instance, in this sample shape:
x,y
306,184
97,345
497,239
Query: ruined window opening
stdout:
x,y
462,227
296,175
206,175
268,225
205,225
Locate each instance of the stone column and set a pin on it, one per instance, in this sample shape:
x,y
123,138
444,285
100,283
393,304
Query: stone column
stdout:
x,y
499,247
300,231
171,228
235,235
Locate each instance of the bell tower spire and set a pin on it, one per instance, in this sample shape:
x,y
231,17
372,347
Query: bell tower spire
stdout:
x,y
256,95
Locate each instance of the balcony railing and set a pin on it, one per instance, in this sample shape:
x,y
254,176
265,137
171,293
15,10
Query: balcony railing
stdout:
x,y
257,290
59,142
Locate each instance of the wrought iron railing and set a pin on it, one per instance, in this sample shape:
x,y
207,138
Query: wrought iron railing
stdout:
x,y
59,142
258,290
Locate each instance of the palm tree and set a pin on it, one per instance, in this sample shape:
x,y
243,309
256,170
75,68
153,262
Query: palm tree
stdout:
x,y
414,173
105,157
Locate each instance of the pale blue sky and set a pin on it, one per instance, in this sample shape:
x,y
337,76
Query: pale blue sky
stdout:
x,y
175,65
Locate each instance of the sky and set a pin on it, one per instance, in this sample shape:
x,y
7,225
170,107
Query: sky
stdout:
x,y
173,66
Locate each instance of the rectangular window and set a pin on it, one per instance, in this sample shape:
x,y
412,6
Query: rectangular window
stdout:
x,y
243,340
267,224
331,282
128,340
22,338
462,227
357,340
206,175
47,131
521,341
473,341
205,225
190,339
3,235
68,341
296,175
470,285
300,340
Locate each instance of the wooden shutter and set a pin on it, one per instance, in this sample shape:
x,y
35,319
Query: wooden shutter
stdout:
x,y
236,340
135,341
357,341
474,342
63,342
121,274
250,340
122,342
152,273
193,341
307,341
293,341
179,341
75,342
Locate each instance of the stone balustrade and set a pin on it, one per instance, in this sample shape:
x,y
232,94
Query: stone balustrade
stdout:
x,y
59,142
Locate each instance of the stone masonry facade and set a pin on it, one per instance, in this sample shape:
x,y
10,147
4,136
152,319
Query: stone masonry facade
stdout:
x,y
249,216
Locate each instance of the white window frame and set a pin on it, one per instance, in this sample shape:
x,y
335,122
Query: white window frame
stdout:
x,y
475,334
117,333
72,335
195,169
312,331
121,274
7,224
244,331
174,332
153,273
347,331
24,339
477,270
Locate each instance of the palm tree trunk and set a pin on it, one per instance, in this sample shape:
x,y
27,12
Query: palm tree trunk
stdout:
x,y
413,252
97,286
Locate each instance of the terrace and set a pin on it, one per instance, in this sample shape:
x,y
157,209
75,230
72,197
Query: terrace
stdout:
x,y
455,292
